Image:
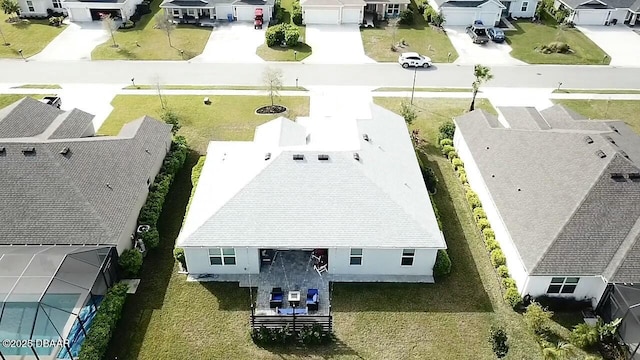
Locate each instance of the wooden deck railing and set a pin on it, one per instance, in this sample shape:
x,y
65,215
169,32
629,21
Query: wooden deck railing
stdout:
x,y
295,321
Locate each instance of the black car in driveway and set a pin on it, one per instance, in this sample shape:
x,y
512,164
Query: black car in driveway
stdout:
x,y
495,34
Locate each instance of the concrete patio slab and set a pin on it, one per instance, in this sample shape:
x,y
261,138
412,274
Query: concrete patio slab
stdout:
x,y
232,43
488,54
335,44
93,99
76,42
619,41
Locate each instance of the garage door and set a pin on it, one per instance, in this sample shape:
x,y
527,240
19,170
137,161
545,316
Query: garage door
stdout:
x,y
322,16
489,18
351,16
245,13
80,14
456,18
597,17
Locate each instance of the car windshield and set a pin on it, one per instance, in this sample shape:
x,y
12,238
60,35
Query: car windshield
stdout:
x,y
498,32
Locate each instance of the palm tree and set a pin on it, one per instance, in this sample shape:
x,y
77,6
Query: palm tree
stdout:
x,y
10,7
559,351
482,74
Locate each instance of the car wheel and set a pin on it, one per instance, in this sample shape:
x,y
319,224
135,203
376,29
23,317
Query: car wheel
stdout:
x,y
426,65
405,65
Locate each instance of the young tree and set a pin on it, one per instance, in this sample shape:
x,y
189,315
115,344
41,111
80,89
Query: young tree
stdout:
x,y
482,74
163,102
10,7
272,78
408,113
165,24
171,117
110,25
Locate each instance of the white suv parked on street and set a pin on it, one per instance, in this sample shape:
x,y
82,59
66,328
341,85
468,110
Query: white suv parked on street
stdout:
x,y
414,59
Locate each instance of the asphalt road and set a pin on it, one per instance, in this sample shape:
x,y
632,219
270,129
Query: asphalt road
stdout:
x,y
377,75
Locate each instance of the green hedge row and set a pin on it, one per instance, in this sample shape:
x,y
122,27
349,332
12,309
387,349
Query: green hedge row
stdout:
x,y
498,259
97,340
282,33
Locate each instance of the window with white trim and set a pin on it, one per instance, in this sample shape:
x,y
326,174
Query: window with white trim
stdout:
x,y
407,257
525,6
191,12
393,9
57,4
561,285
30,6
355,257
222,256
176,12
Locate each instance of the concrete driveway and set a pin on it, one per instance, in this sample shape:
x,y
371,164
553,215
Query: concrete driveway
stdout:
x,y
76,42
619,41
232,43
335,44
488,54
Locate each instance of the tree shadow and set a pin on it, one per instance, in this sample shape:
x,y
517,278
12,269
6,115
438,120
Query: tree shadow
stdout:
x,y
230,296
127,53
337,348
22,24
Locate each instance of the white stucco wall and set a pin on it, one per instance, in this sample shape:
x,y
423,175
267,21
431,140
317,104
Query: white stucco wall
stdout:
x,y
514,262
247,262
515,9
382,262
39,6
589,287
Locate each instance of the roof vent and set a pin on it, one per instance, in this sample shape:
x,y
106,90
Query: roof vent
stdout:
x,y
601,154
609,139
356,156
109,186
623,153
617,176
365,137
588,139
298,157
323,157
64,151
634,176
267,156
29,150
614,128
3,151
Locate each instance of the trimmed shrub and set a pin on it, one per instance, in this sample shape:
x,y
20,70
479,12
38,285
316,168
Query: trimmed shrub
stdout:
x,y
171,117
584,336
429,13
488,234
406,17
430,179
473,199
151,238
512,297
463,178
442,267
436,212
457,162
446,130
498,340
447,149
452,154
478,213
444,142
558,47
509,283
483,224
491,244
178,254
537,317
498,258
274,35
296,15
278,13
291,35
503,271
130,262
97,340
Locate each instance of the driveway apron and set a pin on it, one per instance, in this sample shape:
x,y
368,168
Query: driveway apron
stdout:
x,y
76,42
619,41
335,44
469,53
232,43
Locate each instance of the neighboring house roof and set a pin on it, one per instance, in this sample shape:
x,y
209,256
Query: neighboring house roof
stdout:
x,y
332,2
553,176
387,1
366,194
72,190
634,5
212,3
465,3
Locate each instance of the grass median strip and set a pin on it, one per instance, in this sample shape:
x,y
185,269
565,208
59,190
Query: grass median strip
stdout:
x,y
209,87
38,86
595,91
426,89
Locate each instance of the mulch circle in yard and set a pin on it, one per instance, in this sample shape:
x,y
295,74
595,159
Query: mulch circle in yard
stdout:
x,y
271,109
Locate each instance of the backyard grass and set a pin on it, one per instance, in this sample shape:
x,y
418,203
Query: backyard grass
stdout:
x,y
154,44
38,86
31,37
277,53
530,36
625,110
210,87
227,118
8,99
420,37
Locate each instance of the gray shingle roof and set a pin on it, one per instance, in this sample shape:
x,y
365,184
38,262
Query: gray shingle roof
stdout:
x,y
565,213
26,118
609,4
85,196
379,200
76,123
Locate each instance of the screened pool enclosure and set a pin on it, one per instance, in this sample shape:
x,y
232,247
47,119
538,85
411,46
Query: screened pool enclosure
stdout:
x,y
48,297
623,301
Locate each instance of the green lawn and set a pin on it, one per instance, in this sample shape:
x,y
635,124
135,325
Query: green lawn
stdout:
x,y
530,36
8,99
424,89
420,38
625,110
277,53
38,86
154,44
31,36
227,118
595,91
210,87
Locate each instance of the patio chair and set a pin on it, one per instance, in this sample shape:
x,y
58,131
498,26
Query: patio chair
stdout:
x,y
277,295
313,298
320,269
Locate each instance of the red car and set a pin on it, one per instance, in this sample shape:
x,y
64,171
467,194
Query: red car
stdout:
x,y
257,23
